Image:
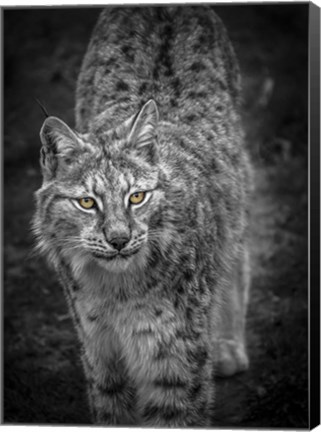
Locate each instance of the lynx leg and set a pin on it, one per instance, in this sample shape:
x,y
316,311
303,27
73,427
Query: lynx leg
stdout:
x,y
231,344
174,401
111,396
174,387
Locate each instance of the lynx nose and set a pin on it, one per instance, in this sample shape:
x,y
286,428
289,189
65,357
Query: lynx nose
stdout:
x,y
119,242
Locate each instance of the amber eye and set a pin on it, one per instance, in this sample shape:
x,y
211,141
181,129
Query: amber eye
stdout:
x,y
87,203
137,197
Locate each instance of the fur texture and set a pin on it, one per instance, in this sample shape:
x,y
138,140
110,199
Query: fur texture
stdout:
x,y
157,290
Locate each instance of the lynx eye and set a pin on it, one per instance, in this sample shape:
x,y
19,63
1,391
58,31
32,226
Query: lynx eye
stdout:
x,y
137,197
87,203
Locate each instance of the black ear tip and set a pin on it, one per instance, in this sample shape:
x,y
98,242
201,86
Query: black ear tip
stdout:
x,y
52,121
54,124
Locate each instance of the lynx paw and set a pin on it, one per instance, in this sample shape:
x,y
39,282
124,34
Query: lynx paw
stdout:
x,y
232,358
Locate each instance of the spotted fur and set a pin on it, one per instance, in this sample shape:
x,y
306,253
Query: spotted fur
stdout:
x,y
156,111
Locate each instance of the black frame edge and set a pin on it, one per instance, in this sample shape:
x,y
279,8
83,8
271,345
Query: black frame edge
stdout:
x,y
314,130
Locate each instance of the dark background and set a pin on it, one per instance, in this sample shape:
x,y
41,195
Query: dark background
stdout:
x,y
43,380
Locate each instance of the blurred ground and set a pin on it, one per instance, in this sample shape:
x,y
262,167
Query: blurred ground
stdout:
x,y
43,380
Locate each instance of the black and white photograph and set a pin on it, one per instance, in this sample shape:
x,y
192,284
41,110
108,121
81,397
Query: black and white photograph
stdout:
x,y
156,196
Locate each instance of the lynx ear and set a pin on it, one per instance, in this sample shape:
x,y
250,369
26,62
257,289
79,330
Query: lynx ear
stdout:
x,y
59,143
142,136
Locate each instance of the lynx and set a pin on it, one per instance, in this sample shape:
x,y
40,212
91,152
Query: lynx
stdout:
x,y
143,214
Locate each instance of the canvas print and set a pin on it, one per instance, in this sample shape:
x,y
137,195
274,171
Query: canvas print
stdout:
x,y
156,216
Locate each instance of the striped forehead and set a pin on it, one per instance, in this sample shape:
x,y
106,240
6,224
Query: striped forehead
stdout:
x,y
108,182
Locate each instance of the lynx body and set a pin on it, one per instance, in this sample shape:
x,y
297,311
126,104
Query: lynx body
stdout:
x,y
143,214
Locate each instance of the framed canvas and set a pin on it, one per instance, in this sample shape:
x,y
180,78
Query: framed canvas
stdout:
x,y
277,47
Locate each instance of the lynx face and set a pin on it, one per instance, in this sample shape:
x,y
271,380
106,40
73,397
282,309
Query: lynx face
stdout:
x,y
102,200
114,229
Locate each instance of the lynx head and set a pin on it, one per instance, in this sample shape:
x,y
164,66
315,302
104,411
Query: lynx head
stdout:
x,y
101,198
